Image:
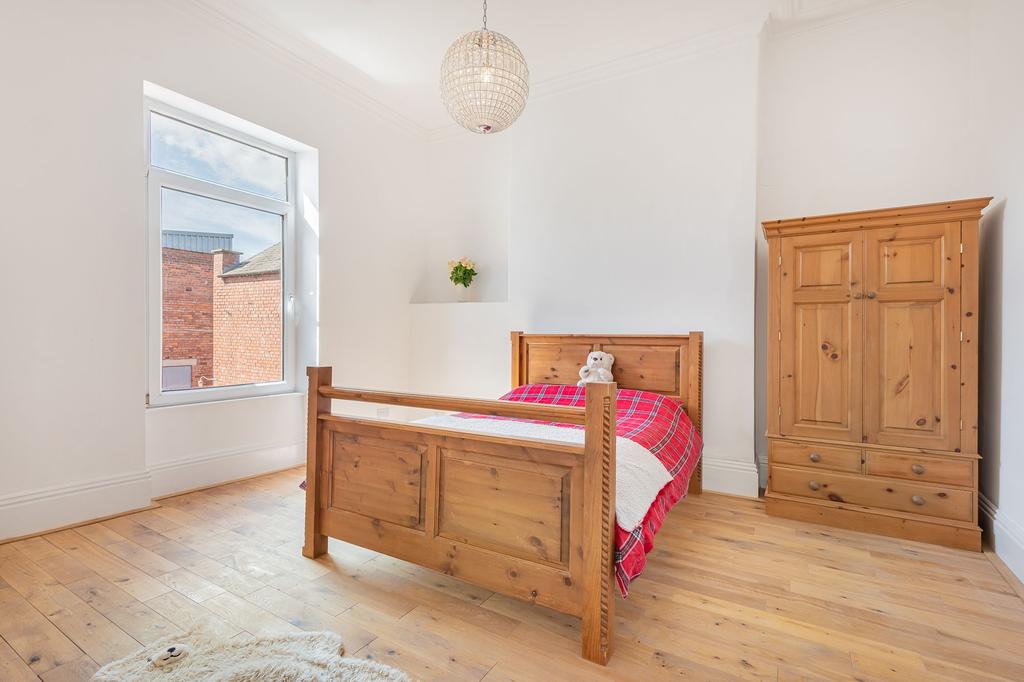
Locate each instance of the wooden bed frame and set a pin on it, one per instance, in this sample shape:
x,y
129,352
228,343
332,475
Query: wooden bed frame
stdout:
x,y
500,512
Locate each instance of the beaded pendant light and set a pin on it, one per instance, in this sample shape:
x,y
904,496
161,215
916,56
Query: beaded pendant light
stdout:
x,y
484,80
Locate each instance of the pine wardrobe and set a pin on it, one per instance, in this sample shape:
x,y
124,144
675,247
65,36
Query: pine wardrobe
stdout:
x,y
873,371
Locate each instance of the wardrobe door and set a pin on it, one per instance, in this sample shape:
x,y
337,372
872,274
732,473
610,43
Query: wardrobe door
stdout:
x,y
821,336
912,321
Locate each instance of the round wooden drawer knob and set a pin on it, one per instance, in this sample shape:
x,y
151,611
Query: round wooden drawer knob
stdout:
x,y
813,485
917,469
918,500
815,457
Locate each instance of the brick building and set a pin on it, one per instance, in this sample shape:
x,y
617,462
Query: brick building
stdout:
x,y
247,317
221,317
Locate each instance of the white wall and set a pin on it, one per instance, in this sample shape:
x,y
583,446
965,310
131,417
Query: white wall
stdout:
x,y
915,102
860,114
631,210
997,131
77,441
467,188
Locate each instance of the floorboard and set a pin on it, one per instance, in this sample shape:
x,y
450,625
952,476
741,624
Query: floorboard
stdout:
x,y
729,593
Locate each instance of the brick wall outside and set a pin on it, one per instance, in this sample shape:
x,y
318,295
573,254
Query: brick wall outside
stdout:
x,y
247,328
188,310
231,326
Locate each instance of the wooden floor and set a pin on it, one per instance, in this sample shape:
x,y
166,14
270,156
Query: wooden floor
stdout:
x,y
728,593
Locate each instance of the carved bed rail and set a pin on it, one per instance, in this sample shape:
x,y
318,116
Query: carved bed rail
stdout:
x,y
494,408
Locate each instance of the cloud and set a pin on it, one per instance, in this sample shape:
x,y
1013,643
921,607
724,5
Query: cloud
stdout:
x,y
189,150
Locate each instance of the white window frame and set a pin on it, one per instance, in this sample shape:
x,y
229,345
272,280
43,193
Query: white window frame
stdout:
x,y
158,179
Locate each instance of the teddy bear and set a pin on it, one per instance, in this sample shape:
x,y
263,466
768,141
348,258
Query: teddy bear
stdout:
x,y
598,368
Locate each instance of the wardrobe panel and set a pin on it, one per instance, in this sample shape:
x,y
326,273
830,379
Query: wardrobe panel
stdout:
x,y
821,336
912,320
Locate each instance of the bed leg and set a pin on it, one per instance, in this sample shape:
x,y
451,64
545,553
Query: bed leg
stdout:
x,y
599,528
315,541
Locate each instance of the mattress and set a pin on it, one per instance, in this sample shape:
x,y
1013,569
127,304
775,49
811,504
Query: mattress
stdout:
x,y
657,450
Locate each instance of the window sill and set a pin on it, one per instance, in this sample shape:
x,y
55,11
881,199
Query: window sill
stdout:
x,y
456,302
166,403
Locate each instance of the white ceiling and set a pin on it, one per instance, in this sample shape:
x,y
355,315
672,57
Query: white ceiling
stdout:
x,y
391,50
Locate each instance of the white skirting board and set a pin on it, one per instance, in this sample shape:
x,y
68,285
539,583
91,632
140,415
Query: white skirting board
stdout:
x,y
730,476
45,509
48,508
762,469
1006,535
226,465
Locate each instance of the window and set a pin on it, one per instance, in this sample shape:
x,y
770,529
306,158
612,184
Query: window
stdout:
x,y
221,257
177,374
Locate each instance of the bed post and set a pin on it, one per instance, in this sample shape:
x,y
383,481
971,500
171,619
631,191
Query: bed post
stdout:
x,y
517,350
695,404
599,523
316,542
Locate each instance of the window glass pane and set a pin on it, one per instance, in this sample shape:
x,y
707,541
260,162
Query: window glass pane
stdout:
x,y
221,290
177,377
192,151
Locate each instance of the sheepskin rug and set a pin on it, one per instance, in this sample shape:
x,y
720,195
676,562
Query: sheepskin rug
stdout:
x,y
285,658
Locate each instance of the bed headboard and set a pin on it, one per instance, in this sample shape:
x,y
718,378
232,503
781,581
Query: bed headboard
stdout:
x,y
672,365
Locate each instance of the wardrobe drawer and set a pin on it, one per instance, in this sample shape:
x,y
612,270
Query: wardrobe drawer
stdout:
x,y
915,498
948,470
814,456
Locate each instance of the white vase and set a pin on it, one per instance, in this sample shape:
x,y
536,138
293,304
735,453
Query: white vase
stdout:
x,y
463,294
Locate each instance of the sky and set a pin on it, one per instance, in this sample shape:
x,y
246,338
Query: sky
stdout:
x,y
195,152
253,230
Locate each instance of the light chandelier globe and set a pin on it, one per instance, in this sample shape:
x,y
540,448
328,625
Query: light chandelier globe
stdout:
x,y
484,81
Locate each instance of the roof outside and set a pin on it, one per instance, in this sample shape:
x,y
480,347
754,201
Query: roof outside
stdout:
x,y
200,242
266,261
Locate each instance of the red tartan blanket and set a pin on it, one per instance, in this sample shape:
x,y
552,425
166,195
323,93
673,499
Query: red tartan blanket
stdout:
x,y
652,421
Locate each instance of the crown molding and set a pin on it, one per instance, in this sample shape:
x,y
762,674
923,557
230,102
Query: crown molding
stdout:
x,y
297,52
330,71
621,67
648,59
791,17
325,68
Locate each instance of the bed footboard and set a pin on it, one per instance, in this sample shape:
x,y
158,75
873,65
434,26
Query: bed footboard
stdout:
x,y
527,518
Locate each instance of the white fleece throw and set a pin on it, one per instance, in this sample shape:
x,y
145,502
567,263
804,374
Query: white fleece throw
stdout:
x,y
639,475
306,656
